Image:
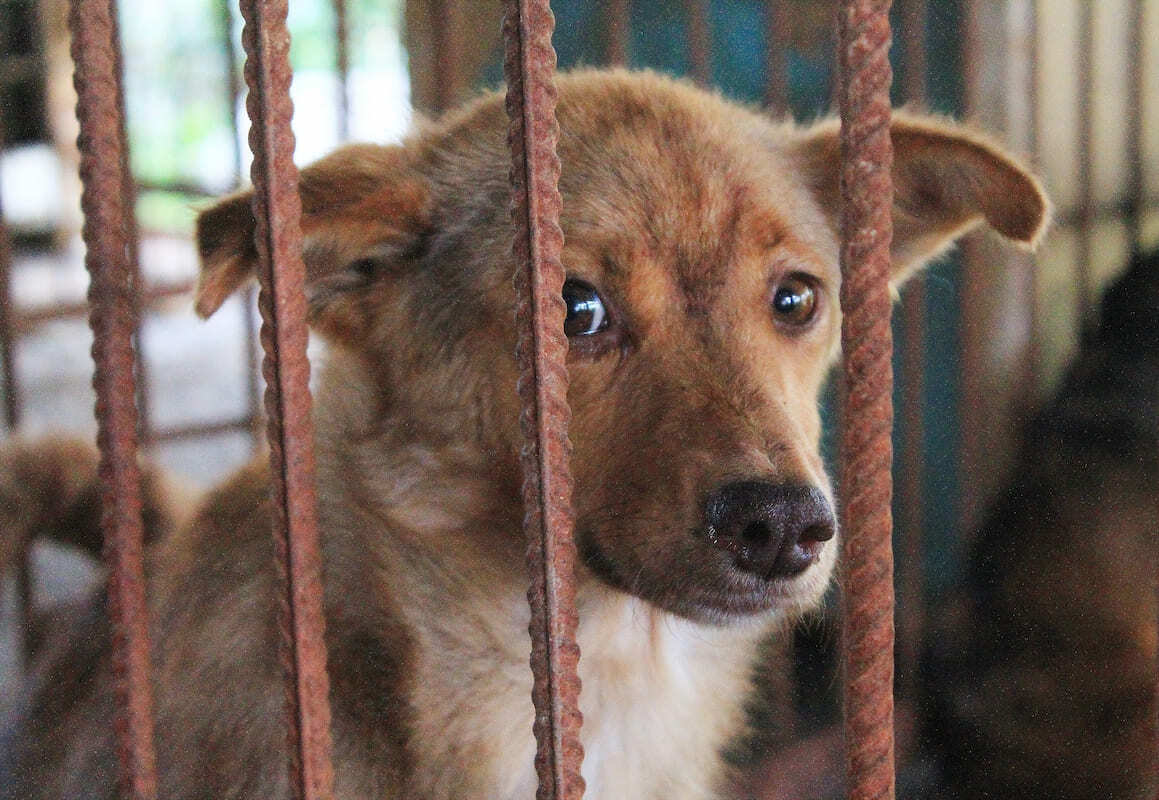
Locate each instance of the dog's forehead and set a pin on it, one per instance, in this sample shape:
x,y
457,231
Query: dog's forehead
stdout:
x,y
690,180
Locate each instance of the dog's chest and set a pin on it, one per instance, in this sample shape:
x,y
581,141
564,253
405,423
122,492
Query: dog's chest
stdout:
x,y
661,697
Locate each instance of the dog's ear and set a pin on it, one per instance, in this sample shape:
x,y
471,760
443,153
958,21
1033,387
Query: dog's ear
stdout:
x,y
365,210
947,180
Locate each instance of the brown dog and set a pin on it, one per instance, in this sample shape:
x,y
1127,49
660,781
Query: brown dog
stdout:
x,y
703,317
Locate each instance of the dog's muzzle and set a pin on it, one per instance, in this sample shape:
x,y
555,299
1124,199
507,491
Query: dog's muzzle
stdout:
x,y
771,531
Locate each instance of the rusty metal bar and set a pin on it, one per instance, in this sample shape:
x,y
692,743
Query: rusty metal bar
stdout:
x,y
529,66
278,237
776,57
1033,367
7,332
866,232
200,429
248,306
108,230
342,58
699,35
23,319
618,15
911,521
1084,309
1135,99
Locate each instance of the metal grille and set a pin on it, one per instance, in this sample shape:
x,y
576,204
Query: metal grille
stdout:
x,y
117,295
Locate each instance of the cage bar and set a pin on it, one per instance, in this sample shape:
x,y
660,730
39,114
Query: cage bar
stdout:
x,y
699,35
282,302
911,520
529,66
342,63
777,57
866,232
108,232
1135,195
1084,304
618,16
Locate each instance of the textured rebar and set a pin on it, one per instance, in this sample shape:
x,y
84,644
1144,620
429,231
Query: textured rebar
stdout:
x,y
1085,307
342,62
866,233
278,236
911,520
1136,189
542,349
108,235
7,334
776,57
618,24
699,40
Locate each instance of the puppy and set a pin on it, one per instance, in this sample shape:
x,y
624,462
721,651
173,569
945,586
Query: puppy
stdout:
x,y
702,261
1042,677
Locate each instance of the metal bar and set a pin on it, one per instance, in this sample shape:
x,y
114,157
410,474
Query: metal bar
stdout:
x,y
618,14
137,283
108,228
776,57
200,429
866,232
342,57
278,237
7,333
1033,367
699,41
1135,100
548,522
232,83
23,319
911,521
1084,308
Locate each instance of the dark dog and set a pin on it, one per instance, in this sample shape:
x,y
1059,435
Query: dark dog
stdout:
x,y
1043,678
701,252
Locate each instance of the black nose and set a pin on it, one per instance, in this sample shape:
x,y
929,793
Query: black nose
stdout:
x,y
772,531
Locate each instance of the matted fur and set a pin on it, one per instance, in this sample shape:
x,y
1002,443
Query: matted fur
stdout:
x,y
684,211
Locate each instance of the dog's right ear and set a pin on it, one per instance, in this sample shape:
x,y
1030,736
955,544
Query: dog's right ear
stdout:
x,y
364,210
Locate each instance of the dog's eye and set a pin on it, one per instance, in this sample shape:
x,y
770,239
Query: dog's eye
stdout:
x,y
794,300
586,314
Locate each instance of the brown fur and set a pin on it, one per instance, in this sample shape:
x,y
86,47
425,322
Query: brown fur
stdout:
x,y
1042,669
684,210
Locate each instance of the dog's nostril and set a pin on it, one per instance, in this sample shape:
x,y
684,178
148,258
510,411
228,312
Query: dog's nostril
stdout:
x,y
820,532
756,533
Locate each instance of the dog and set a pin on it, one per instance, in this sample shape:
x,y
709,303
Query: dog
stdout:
x,y
1041,679
702,315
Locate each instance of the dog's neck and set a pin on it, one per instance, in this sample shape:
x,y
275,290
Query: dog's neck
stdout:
x,y
662,696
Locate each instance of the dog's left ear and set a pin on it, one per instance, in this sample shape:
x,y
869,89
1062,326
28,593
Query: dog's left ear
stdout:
x,y
947,180
365,212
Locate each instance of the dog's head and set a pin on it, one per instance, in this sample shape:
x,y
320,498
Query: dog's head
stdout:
x,y
702,311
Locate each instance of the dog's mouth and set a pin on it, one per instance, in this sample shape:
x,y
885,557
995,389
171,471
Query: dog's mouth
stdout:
x,y
711,585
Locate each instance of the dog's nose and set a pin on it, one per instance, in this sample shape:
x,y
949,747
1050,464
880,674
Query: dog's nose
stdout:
x,y
772,531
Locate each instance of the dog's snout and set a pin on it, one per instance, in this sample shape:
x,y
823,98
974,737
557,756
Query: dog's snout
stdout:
x,y
771,531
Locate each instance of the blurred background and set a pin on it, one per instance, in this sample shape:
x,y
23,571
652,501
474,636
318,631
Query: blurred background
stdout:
x,y
983,340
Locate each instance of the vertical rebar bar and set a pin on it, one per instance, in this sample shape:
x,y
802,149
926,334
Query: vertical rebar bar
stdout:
x,y
1135,100
618,18
108,231
529,66
776,57
342,62
1084,307
866,233
699,35
910,489
278,237
252,376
